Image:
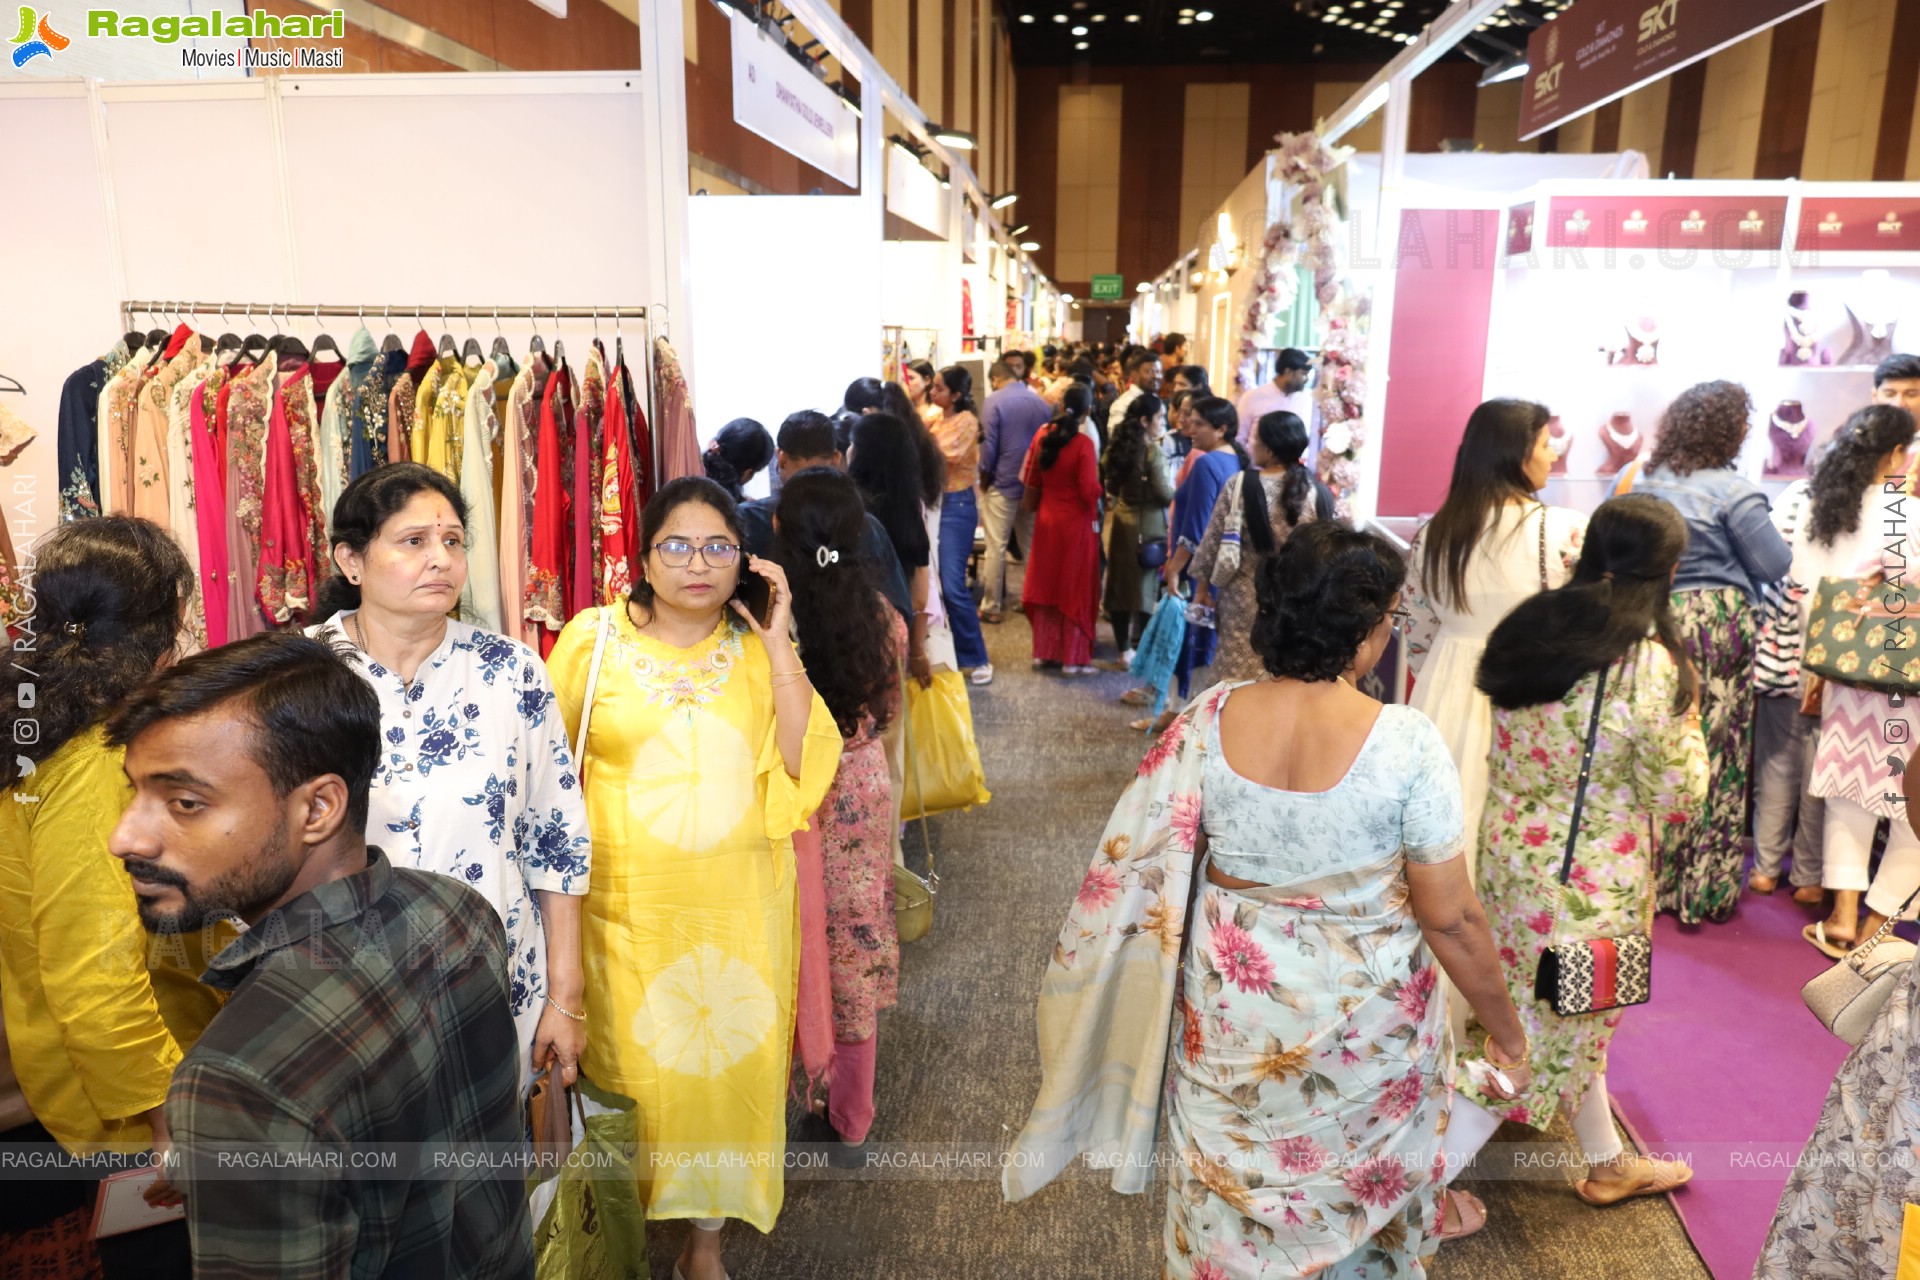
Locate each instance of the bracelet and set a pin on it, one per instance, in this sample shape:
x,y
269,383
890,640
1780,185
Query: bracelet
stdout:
x,y
781,679
577,1017
1526,1058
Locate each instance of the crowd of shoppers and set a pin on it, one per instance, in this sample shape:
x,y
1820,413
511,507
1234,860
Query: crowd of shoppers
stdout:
x,y
600,848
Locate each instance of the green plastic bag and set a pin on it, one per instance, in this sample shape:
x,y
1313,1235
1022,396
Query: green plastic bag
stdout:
x,y
596,1228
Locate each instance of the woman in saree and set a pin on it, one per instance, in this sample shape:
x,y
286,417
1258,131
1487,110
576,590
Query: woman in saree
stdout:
x,y
1321,834
706,749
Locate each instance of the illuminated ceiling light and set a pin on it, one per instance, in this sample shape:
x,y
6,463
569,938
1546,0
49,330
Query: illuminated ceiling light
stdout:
x,y
1335,10
1002,201
1026,17
1066,297
1080,44
1017,230
1186,13
1029,246
1205,15
1079,31
1133,17
1059,17
1143,287
1186,22
958,139
1099,17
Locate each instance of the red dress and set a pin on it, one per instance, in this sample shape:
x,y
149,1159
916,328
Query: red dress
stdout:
x,y
548,575
1062,590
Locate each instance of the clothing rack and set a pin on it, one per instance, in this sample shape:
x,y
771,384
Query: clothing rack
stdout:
x,y
156,308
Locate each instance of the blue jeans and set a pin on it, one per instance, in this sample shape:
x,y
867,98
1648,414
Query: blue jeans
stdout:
x,y
959,517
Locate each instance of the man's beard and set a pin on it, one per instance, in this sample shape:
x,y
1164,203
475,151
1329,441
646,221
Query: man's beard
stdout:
x,y
242,892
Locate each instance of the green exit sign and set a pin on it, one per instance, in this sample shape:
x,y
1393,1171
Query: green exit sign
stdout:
x,y
1108,288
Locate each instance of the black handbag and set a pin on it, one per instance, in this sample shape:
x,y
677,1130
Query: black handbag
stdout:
x,y
1600,973
1152,553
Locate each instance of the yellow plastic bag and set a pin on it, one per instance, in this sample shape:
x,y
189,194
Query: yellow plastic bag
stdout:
x,y
1909,1260
943,770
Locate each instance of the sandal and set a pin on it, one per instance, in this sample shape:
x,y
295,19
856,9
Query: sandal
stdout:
x,y
1464,1206
1137,698
1832,948
1657,1177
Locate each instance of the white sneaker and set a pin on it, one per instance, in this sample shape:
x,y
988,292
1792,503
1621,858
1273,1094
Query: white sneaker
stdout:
x,y
982,674
1126,659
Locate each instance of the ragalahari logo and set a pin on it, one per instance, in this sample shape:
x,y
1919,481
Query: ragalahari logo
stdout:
x,y
36,37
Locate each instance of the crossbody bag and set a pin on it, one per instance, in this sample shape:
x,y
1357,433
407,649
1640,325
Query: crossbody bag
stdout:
x,y
1598,974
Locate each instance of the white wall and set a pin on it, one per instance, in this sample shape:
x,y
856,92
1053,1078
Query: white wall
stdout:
x,y
115,202
786,305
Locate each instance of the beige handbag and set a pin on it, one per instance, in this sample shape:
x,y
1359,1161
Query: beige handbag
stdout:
x,y
1849,996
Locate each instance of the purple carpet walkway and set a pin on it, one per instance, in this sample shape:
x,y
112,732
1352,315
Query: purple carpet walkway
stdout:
x,y
1725,1067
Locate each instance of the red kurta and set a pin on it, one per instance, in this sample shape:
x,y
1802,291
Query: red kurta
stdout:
x,y
619,504
1063,570
547,578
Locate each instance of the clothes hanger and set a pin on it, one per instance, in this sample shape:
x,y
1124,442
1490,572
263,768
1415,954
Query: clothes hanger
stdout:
x,y
392,341
228,341
11,384
447,346
254,347
500,345
559,345
290,344
325,342
538,346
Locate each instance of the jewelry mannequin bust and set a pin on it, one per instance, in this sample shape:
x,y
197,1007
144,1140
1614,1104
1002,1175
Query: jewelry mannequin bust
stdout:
x,y
1788,432
1870,313
1559,439
1802,346
1622,440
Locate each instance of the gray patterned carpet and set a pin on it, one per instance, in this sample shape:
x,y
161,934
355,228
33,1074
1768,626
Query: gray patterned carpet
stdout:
x,y
958,1065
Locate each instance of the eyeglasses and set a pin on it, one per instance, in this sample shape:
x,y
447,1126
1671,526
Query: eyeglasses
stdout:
x,y
1402,618
676,554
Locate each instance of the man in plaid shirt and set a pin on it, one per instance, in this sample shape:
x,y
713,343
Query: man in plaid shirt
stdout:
x,y
369,1007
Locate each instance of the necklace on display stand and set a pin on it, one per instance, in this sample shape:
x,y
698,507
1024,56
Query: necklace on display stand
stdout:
x,y
1871,314
1800,335
1788,434
1622,446
1644,339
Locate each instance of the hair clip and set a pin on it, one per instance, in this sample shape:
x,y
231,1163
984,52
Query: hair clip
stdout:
x,y
75,628
824,556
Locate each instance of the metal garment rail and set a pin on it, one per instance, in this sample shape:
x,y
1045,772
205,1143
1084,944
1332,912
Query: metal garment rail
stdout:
x,y
154,308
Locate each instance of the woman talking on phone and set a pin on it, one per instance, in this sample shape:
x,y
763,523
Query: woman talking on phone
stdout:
x,y
706,748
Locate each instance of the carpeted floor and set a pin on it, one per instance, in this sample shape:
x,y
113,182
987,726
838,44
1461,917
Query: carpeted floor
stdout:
x,y
1736,987
958,1064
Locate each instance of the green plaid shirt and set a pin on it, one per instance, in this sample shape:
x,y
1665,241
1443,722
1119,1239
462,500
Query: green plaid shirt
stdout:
x,y
369,1013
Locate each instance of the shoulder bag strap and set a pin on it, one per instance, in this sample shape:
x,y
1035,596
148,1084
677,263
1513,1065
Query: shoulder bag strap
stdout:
x,y
601,632
1545,585
932,879
1586,768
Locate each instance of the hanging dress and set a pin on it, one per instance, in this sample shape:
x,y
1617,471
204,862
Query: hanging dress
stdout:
x,y
210,509
619,532
481,598
583,483
547,580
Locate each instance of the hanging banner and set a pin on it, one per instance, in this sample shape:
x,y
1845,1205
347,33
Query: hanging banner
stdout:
x,y
1859,223
1600,50
783,102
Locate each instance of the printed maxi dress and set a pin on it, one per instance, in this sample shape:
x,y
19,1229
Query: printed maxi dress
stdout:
x,y
1309,1074
856,841
689,936
1649,770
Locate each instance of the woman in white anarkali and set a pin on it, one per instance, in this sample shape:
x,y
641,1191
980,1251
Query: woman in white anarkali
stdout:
x,y
1492,544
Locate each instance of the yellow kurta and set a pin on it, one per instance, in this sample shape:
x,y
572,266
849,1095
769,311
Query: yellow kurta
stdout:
x,y
690,931
97,1013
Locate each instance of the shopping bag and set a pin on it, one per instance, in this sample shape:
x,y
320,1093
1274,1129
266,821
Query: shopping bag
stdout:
x,y
944,773
1158,657
595,1228
1865,632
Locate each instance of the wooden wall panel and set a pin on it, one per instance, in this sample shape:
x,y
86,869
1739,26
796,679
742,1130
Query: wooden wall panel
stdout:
x,y
1783,123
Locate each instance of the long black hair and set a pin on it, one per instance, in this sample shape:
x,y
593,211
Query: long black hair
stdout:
x,y
1620,591
108,595
1075,405
933,463
363,507
742,448
1489,471
886,463
1128,449
1218,412
960,383
1850,466
1285,437
845,626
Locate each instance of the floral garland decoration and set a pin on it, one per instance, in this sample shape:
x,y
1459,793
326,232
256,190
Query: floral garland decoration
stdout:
x,y
1306,162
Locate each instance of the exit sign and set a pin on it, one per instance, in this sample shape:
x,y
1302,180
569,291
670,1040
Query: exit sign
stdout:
x,y
1108,288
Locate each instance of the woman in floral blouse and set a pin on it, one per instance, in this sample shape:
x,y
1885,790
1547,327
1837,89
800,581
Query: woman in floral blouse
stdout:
x,y
476,781
1649,768
1309,1076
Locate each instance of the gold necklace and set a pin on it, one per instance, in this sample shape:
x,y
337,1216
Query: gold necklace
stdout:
x,y
360,637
